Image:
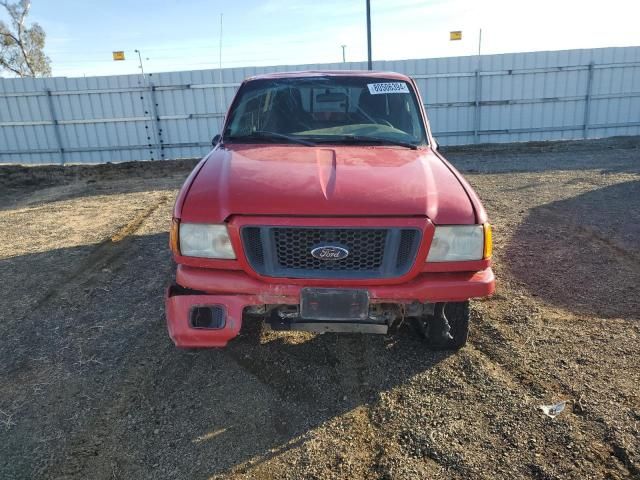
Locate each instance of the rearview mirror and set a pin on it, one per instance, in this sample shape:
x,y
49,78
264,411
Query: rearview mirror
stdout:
x,y
331,97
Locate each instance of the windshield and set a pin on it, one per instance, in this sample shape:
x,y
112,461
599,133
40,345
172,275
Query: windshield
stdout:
x,y
329,109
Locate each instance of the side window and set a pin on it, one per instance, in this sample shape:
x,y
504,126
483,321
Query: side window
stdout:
x,y
250,114
409,111
402,114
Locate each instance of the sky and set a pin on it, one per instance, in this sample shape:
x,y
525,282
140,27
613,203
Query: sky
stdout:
x,y
185,35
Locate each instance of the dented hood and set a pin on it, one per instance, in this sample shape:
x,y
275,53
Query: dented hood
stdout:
x,y
292,180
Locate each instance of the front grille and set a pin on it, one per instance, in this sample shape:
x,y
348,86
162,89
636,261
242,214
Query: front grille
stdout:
x,y
294,245
373,252
407,248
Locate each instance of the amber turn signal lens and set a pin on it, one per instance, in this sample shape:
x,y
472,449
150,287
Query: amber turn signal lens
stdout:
x,y
174,236
488,241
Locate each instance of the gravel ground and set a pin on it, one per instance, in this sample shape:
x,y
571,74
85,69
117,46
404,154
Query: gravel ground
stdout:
x,y
91,386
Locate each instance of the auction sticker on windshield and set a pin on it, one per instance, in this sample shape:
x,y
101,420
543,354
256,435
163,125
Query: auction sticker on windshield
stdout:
x,y
389,87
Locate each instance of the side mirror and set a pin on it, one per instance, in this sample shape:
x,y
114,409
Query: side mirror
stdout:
x,y
435,145
216,140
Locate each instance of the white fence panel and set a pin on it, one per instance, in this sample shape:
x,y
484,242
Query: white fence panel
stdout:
x,y
515,97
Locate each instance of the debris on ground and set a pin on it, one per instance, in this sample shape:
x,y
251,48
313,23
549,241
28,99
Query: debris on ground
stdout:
x,y
554,409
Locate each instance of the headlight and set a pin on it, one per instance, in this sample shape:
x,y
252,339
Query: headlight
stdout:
x,y
460,242
207,241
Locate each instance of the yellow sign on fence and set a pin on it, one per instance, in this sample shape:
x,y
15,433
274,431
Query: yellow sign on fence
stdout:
x,y
457,35
118,55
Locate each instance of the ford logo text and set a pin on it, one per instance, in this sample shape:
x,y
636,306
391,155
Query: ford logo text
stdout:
x,y
329,252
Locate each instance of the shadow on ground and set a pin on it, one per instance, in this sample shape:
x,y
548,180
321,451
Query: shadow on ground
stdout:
x,y
93,387
583,253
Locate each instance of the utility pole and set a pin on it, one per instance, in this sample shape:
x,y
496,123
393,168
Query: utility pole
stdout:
x,y
220,43
369,65
344,58
479,48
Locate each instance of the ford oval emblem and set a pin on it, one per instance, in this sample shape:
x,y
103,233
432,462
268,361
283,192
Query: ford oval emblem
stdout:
x,y
330,252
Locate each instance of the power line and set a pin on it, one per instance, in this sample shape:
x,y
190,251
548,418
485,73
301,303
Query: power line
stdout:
x,y
157,58
213,46
178,61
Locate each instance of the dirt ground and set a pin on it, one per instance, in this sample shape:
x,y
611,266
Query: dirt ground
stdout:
x,y
91,387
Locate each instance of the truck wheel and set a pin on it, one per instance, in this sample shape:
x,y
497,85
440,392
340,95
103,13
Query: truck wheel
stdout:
x,y
457,314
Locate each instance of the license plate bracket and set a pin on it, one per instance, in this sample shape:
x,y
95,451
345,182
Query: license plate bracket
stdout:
x,y
334,304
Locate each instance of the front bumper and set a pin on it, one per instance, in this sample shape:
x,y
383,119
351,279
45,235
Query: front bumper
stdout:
x,y
235,290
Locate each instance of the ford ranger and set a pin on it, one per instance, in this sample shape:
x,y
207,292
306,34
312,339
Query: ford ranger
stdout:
x,y
326,206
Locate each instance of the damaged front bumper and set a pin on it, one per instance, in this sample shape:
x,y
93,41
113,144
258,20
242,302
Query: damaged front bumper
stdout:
x,y
206,307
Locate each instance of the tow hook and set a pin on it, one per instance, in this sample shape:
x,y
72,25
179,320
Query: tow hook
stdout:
x,y
439,329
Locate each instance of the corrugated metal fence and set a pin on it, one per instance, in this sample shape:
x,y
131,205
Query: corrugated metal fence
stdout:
x,y
516,97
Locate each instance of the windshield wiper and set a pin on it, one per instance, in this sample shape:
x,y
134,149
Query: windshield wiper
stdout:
x,y
367,139
264,135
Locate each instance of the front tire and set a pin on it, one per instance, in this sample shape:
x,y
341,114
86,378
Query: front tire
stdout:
x,y
457,314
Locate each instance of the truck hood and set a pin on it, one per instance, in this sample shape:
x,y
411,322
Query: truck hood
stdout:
x,y
292,180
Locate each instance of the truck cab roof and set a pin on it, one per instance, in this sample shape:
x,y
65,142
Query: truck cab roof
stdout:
x,y
331,73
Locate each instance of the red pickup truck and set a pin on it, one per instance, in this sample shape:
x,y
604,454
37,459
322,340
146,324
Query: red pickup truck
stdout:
x,y
326,206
